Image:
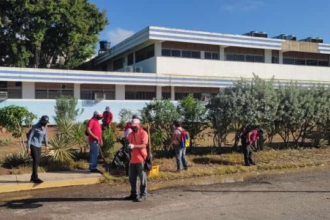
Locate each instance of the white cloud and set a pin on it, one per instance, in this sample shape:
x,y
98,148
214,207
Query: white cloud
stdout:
x,y
117,35
243,5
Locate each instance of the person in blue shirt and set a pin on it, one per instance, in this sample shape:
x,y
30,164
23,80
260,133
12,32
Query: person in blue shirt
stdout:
x,y
36,136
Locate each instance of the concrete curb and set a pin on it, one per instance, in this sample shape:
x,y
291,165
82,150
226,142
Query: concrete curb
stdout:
x,y
49,184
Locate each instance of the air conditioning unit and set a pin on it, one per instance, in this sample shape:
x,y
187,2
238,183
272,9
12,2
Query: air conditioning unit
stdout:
x,y
128,69
99,96
313,40
138,69
257,34
3,95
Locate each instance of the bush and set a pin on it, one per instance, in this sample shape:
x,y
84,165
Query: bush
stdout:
x,y
109,141
16,160
4,142
60,148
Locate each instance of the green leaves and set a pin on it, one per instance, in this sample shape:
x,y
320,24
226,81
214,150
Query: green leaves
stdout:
x,y
65,108
36,33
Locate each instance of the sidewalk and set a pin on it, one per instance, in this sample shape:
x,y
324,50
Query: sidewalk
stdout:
x,y
14,183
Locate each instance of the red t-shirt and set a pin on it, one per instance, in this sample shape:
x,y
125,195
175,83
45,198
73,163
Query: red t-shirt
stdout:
x,y
96,129
107,118
253,136
138,138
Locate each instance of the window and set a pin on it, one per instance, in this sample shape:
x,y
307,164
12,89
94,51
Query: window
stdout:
x,y
88,91
311,62
308,62
288,60
186,53
323,63
140,92
130,59
176,53
196,54
300,62
118,64
166,95
211,56
166,52
53,90
275,60
104,68
259,59
145,53
239,57
14,89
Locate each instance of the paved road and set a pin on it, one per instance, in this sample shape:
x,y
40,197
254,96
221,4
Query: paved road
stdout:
x,y
303,196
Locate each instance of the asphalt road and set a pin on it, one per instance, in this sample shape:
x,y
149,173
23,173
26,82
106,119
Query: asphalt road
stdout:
x,y
303,196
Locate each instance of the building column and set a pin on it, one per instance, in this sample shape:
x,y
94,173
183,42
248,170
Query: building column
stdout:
x,y
28,90
158,49
158,92
202,55
172,93
222,53
76,91
280,57
120,92
268,56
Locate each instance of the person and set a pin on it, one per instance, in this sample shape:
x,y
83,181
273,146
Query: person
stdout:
x,y
138,141
248,138
95,140
107,118
180,151
37,135
129,125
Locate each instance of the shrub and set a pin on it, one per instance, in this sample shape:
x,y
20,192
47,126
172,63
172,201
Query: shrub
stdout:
x,y
60,148
65,108
4,142
16,160
109,141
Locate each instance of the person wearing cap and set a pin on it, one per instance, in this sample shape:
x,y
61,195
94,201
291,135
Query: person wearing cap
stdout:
x,y
95,140
180,152
107,118
37,135
138,140
129,125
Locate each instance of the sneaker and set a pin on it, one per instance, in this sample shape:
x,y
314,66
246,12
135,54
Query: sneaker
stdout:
x,y
130,197
186,168
140,199
247,165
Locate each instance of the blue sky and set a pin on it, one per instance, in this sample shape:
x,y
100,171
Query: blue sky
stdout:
x,y
301,18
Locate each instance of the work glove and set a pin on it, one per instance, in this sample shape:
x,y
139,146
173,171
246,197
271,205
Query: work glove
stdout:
x,y
131,146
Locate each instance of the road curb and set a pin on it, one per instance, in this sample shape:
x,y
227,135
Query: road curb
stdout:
x,y
49,184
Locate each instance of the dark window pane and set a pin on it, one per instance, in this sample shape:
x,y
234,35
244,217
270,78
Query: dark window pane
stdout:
x,y
300,62
311,62
186,53
130,59
145,53
118,64
196,54
230,56
275,60
208,55
166,52
288,61
259,59
166,95
176,53
239,57
249,58
215,56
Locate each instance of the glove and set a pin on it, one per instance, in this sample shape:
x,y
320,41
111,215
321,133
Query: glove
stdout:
x,y
131,146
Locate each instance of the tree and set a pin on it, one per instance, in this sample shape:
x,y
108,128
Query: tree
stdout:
x,y
48,33
160,114
13,118
194,116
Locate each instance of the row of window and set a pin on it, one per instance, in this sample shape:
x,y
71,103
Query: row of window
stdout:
x,y
307,62
140,55
245,57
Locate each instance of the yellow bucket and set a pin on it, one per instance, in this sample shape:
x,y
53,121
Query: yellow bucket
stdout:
x,y
154,171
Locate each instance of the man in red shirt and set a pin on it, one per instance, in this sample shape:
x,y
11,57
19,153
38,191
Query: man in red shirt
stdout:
x,y
95,139
107,118
138,140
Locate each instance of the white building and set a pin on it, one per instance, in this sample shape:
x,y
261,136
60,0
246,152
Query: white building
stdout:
x,y
170,63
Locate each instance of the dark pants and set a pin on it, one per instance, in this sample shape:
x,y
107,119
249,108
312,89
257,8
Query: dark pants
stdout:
x,y
247,151
137,170
180,156
36,154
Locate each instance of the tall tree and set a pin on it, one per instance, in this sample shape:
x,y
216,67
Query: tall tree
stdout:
x,y
48,33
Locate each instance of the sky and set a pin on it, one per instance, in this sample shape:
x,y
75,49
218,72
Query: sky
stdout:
x,y
301,18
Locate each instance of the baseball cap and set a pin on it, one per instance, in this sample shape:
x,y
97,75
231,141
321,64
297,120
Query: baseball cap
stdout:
x,y
98,113
44,119
107,108
135,122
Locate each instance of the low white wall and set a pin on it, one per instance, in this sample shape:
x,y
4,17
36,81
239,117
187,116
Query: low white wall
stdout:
x,y
233,69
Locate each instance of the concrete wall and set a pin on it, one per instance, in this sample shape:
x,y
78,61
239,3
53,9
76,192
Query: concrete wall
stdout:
x,y
233,69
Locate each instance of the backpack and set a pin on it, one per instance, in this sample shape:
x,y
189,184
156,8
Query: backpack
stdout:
x,y
28,134
86,132
184,140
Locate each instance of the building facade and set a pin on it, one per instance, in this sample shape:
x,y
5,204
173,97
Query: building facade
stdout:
x,y
167,63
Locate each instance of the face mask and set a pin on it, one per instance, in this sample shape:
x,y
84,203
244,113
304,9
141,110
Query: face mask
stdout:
x,y
134,129
43,123
98,117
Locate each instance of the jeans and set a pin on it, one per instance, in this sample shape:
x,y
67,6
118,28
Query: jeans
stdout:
x,y
180,156
93,154
247,151
36,154
137,170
